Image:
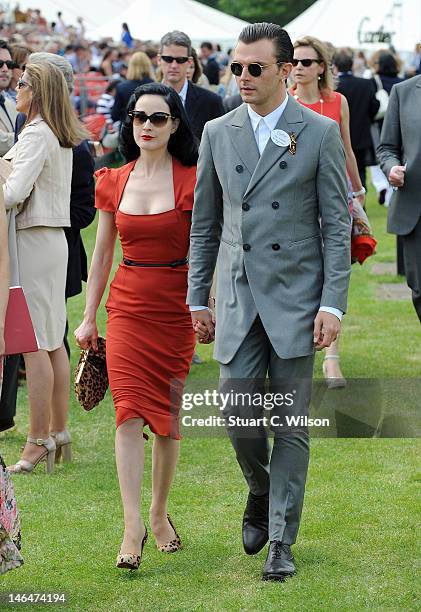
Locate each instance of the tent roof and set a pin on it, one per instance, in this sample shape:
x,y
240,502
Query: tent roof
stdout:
x,y
356,23
147,19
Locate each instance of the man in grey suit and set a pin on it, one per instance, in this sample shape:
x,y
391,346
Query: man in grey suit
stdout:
x,y
271,207
400,159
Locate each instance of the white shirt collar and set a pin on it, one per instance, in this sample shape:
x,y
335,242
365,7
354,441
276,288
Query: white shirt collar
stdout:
x,y
271,120
183,92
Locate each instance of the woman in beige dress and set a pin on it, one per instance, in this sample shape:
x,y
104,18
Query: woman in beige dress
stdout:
x,y
39,190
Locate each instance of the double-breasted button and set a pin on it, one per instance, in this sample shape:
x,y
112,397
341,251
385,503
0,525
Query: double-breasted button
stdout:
x,y
239,168
275,205
283,164
246,206
246,247
276,246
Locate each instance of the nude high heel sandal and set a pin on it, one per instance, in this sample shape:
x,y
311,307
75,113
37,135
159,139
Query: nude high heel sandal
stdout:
x,y
63,442
331,381
23,466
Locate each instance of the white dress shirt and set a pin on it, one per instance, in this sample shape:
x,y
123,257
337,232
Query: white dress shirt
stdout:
x,y
183,92
262,128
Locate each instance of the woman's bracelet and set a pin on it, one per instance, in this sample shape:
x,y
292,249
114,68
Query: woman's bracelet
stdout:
x,y
361,192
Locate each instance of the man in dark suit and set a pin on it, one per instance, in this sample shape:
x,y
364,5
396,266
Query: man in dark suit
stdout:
x,y
363,106
210,65
175,58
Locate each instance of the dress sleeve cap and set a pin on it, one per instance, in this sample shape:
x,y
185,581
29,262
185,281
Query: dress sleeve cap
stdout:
x,y
105,190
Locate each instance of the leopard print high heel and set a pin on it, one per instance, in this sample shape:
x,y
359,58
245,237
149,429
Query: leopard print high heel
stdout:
x,y
130,561
173,545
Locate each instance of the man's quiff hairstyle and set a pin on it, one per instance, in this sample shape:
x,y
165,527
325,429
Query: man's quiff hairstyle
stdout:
x,y
176,38
284,51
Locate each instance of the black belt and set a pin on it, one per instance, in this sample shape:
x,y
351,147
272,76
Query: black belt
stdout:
x,y
170,264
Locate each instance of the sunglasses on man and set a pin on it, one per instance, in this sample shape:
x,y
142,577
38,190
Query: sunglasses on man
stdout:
x,y
305,62
169,59
158,119
8,63
254,69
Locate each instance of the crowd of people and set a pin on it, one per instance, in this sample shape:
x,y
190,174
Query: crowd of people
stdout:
x,y
286,133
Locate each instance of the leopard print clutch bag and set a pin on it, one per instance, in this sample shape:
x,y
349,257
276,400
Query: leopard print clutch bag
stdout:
x,y
91,378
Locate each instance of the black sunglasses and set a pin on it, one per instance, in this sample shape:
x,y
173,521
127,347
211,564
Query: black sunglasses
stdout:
x,y
169,59
254,69
8,63
20,84
305,62
158,119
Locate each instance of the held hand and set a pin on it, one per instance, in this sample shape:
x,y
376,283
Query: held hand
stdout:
x,y
86,335
397,176
326,329
203,325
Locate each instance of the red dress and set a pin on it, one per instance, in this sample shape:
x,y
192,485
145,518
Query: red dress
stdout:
x,y
150,339
327,107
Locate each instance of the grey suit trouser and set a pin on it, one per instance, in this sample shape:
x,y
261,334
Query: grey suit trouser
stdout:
x,y
283,472
412,258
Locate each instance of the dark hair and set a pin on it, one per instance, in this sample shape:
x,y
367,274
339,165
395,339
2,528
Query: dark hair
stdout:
x,y
4,45
182,145
197,73
284,51
207,45
387,65
343,60
125,27
176,38
112,85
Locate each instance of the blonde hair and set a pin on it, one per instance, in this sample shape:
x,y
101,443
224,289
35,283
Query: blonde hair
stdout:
x,y
140,66
325,83
50,98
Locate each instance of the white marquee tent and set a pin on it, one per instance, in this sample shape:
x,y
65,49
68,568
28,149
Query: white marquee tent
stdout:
x,y
364,24
150,19
147,19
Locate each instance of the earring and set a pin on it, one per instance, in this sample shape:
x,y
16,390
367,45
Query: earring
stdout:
x,y
319,77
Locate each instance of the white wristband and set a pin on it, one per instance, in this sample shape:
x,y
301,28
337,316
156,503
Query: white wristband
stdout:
x,y
361,192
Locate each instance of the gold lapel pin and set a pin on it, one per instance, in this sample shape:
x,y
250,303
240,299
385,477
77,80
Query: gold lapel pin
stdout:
x,y
293,143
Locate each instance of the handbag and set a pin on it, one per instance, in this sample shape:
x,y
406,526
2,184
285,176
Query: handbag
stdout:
x,y
19,333
382,96
91,377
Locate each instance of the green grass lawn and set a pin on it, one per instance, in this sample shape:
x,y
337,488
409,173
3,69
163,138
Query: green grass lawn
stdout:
x,y
358,546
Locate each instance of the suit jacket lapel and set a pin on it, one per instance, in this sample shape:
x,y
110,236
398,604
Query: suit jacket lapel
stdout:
x,y
190,106
243,139
291,121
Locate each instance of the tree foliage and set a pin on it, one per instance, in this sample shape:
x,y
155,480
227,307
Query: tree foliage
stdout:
x,y
275,11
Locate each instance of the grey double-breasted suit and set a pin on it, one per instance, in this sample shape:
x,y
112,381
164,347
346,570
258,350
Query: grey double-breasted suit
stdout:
x,y
260,217
278,227
400,143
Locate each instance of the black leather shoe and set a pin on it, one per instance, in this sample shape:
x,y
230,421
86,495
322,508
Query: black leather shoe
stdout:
x,y
279,562
255,523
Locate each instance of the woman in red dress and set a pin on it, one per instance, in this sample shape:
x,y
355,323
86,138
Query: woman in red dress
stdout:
x,y
313,88
150,339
